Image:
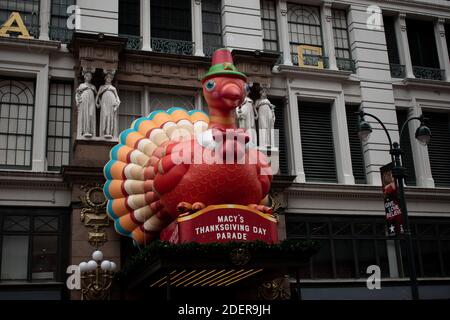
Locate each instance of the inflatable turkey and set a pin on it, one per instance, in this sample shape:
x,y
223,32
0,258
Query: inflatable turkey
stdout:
x,y
176,161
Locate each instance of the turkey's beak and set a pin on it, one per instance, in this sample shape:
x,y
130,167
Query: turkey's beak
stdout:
x,y
232,93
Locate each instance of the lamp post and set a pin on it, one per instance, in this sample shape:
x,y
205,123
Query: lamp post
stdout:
x,y
423,135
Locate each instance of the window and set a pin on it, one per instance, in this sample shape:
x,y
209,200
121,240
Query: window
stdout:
x,y
59,125
405,144
212,26
447,36
304,29
130,108
422,45
391,39
165,101
431,248
269,25
129,17
171,19
317,142
58,22
16,123
280,125
341,41
348,245
358,166
31,245
28,9
439,147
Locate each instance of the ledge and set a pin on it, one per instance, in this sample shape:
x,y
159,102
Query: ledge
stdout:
x,y
31,44
422,83
28,180
312,72
340,191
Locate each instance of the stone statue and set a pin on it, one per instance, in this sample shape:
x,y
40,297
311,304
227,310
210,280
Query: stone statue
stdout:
x,y
247,116
108,101
266,116
85,101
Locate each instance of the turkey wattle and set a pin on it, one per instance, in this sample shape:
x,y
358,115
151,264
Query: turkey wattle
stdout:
x,y
178,161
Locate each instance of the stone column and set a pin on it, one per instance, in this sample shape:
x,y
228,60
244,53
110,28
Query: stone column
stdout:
x,y
341,141
197,28
146,25
441,44
40,121
295,142
283,32
403,45
328,36
44,19
422,166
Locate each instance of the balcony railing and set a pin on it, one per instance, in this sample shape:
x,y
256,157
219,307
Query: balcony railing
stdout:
x,y
172,46
133,42
60,34
345,64
428,73
397,71
209,50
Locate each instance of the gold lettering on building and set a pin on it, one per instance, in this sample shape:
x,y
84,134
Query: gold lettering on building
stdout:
x,y
15,24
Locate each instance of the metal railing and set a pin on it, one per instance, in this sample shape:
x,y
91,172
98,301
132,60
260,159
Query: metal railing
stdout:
x,y
428,73
133,42
60,34
172,46
397,70
345,64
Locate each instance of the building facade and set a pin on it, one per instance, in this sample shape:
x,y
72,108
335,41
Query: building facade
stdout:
x,y
321,62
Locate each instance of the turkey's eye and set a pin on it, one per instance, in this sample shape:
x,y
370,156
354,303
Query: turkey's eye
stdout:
x,y
210,85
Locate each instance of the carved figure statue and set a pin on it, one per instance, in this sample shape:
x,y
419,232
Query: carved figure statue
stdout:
x,y
266,116
108,101
247,116
85,102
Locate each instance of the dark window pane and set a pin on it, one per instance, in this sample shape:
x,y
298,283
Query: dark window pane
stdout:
x,y
445,245
366,256
405,142
391,39
364,229
356,150
46,224
341,228
45,257
429,252
14,258
345,263
383,256
16,223
422,43
319,229
322,265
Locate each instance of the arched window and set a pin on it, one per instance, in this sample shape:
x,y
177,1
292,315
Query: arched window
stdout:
x,y
16,122
304,28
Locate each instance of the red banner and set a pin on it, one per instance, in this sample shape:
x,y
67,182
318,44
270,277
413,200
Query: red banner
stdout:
x,y
225,223
394,216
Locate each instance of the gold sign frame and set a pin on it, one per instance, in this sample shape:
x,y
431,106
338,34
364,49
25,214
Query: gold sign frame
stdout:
x,y
301,51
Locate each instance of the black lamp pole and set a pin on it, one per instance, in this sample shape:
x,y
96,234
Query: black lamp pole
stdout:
x,y
399,174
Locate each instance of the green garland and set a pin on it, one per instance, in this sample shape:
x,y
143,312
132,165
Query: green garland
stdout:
x,y
291,249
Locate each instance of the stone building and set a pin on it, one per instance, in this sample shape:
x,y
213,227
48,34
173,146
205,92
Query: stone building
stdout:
x,y
321,62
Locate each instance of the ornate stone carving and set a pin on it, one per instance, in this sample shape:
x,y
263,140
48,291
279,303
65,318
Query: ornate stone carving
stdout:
x,y
94,215
108,102
85,102
277,289
247,116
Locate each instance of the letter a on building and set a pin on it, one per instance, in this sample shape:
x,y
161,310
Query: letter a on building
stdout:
x,y
15,24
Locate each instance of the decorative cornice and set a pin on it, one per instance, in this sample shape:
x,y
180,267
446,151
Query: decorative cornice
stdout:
x,y
337,191
35,45
423,83
32,180
314,73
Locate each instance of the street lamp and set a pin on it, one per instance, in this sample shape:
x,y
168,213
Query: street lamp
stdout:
x,y
423,135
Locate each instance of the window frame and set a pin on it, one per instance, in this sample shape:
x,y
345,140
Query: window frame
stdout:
x,y
268,40
62,239
334,27
56,82
206,47
24,167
